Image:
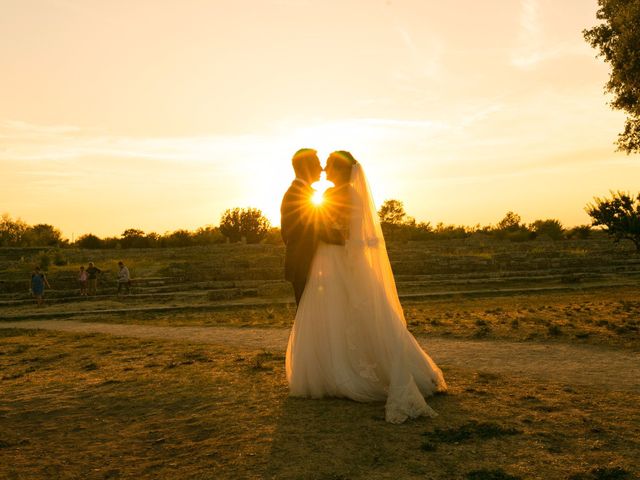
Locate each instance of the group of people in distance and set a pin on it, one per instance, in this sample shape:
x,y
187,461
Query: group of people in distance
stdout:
x,y
87,281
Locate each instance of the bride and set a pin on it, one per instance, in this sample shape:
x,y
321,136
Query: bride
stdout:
x,y
349,338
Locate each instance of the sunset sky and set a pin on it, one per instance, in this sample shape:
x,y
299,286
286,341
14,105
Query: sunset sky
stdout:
x,y
162,114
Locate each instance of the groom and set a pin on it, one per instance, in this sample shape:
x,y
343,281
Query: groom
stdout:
x,y
302,223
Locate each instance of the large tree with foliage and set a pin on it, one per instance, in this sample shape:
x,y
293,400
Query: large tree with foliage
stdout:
x,y
617,39
392,212
247,223
11,231
42,235
510,222
90,241
394,220
619,215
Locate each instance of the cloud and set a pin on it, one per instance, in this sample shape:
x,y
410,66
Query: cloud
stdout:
x,y
24,141
17,129
528,51
532,47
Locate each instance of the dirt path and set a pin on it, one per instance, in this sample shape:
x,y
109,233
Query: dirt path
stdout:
x,y
570,364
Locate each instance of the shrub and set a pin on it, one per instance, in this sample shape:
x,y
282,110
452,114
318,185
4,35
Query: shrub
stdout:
x,y
580,232
510,228
111,242
551,228
179,238
59,259
134,238
89,241
521,235
208,235
273,237
447,232
44,261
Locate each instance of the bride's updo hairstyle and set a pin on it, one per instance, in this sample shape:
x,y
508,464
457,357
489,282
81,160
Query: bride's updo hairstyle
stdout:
x,y
342,162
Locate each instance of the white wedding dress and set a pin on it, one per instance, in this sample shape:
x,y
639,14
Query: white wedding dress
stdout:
x,y
349,338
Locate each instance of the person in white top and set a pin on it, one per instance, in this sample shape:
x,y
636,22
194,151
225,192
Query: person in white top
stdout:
x,y
124,278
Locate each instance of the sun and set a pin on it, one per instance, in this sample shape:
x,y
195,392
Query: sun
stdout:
x,y
320,187
317,197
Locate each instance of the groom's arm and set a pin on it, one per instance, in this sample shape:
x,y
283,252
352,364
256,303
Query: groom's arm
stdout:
x,y
290,218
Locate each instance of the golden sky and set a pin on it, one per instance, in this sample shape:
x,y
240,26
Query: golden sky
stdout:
x,y
161,114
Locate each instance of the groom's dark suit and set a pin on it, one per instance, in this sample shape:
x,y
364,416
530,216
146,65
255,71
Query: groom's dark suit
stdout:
x,y
302,225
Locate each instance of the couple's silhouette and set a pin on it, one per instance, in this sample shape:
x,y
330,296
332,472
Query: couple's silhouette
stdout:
x,y
349,338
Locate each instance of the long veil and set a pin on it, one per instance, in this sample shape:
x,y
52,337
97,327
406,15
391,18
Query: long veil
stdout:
x,y
377,314
366,241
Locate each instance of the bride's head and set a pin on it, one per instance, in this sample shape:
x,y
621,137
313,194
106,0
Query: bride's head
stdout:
x,y
339,165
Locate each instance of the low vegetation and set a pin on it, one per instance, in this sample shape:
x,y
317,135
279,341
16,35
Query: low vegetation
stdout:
x,y
96,406
99,406
618,216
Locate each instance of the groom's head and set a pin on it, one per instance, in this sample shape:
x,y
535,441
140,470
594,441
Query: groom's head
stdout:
x,y
306,164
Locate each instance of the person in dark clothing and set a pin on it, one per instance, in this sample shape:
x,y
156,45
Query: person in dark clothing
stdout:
x,y
302,223
92,278
38,282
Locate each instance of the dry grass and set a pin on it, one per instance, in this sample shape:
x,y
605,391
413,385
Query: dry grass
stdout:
x,y
95,406
608,317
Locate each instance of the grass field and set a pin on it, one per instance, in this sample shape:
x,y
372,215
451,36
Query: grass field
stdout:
x,y
96,406
99,406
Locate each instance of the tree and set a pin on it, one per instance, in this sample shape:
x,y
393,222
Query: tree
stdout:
x,y
133,238
618,41
619,215
178,238
392,212
42,235
394,221
511,228
11,231
551,228
244,223
89,241
510,222
152,239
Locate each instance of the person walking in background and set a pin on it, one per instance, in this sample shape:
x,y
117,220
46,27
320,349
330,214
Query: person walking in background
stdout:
x,y
124,278
82,280
38,282
92,278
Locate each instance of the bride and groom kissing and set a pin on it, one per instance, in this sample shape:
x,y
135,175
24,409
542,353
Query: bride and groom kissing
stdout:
x,y
349,338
